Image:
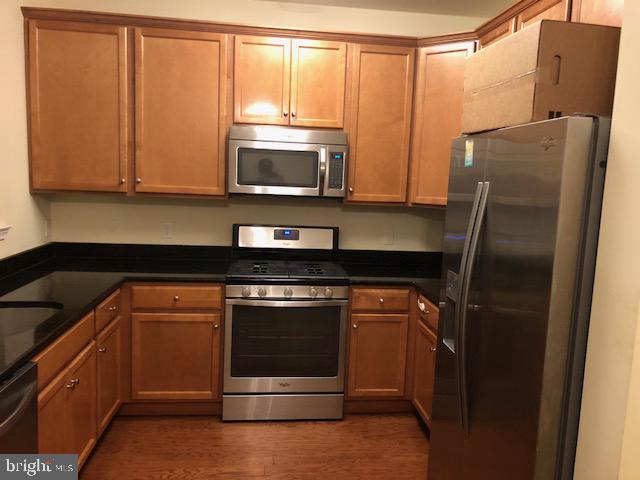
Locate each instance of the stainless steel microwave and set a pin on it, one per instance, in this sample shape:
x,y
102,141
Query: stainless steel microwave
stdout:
x,y
287,161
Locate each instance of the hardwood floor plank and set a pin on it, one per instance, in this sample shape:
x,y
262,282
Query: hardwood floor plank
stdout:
x,y
371,447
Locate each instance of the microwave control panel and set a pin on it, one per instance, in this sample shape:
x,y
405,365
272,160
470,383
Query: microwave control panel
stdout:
x,y
336,170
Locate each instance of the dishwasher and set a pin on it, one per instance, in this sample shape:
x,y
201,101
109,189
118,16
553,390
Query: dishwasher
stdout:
x,y
19,412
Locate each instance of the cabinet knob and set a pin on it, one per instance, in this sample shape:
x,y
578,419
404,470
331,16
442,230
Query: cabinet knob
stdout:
x,y
432,349
350,189
293,114
215,325
102,350
381,301
355,325
176,298
138,180
285,114
113,309
123,180
77,380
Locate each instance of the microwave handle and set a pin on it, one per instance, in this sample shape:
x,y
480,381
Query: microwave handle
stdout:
x,y
322,173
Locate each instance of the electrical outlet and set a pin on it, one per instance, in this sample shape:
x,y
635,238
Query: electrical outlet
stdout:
x,y
167,230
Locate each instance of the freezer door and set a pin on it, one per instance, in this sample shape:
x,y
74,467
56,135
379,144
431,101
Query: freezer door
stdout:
x,y
447,434
521,295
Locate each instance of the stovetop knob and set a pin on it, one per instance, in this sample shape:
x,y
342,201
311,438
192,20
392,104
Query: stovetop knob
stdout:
x,y
246,292
262,292
328,292
313,292
288,292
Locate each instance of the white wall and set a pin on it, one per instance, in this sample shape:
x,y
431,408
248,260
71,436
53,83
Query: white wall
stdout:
x,y
609,439
84,220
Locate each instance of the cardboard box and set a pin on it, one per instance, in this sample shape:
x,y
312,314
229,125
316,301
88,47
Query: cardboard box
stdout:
x,y
547,70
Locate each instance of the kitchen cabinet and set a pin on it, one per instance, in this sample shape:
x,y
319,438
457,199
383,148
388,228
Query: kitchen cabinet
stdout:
x,y
424,371
77,106
67,408
175,356
382,90
377,355
437,119
109,348
599,12
543,10
497,33
180,111
280,81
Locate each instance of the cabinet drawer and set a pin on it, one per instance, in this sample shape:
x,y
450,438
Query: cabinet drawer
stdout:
x,y
57,355
176,296
429,313
107,310
380,299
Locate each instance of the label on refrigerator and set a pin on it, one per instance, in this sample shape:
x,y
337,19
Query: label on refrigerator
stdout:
x,y
468,153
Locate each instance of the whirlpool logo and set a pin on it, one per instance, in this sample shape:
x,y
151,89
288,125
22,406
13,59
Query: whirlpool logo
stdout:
x,y
51,467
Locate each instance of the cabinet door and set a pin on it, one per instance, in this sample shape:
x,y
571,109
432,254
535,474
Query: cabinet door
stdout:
x,y
424,371
377,355
599,12
109,344
543,10
77,77
175,356
501,31
380,123
81,403
261,80
317,83
180,111
437,119
52,423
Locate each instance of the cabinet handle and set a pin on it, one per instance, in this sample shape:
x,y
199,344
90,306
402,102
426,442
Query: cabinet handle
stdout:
x,y
381,301
432,349
77,381
138,180
102,350
113,309
176,298
355,325
71,384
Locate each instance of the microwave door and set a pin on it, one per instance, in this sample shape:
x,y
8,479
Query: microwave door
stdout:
x,y
272,168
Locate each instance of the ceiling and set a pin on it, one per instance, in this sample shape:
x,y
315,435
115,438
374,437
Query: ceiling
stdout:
x,y
467,8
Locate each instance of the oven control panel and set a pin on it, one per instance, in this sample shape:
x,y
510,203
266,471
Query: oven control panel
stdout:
x,y
335,174
288,292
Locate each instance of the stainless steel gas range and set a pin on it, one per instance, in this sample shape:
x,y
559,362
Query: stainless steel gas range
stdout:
x,y
285,326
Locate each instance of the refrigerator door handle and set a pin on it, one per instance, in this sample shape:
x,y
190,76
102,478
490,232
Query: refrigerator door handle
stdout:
x,y
464,302
458,298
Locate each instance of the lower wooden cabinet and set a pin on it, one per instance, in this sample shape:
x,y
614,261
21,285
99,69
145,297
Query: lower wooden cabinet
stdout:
x,y
377,355
109,348
175,356
424,371
67,408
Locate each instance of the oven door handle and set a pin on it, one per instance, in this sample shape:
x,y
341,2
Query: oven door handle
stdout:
x,y
287,303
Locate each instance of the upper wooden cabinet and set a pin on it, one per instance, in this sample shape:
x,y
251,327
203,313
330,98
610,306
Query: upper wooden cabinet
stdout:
x,y
382,89
497,33
601,12
180,111
437,119
543,10
317,83
78,102
280,81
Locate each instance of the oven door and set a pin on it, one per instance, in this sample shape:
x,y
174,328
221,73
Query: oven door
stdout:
x,y
276,168
285,346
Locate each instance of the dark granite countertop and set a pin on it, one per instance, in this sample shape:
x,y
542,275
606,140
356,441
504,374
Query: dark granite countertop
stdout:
x,y
79,286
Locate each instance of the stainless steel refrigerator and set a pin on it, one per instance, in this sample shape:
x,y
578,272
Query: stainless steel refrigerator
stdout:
x,y
518,261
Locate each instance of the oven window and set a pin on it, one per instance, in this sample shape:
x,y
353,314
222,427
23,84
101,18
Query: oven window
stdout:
x,y
285,342
280,168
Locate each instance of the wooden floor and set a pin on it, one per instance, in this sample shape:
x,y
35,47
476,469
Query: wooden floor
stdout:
x,y
371,447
